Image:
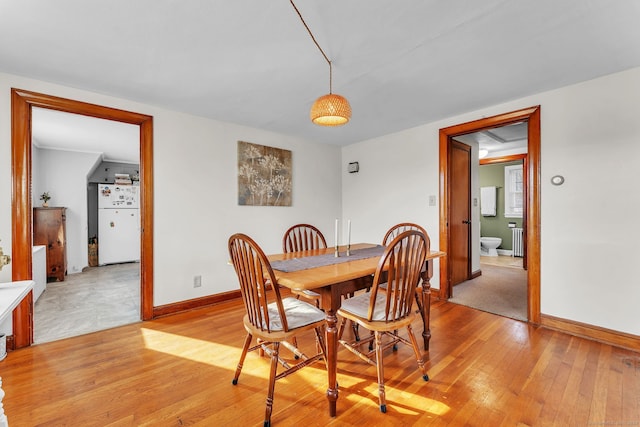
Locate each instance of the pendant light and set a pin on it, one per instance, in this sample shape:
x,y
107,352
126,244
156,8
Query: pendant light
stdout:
x,y
331,109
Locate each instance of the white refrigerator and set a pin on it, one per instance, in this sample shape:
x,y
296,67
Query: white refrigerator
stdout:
x,y
118,224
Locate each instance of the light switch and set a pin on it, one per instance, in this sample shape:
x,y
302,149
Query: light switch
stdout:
x,y
432,200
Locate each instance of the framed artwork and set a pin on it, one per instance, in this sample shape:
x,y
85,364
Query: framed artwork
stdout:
x,y
264,175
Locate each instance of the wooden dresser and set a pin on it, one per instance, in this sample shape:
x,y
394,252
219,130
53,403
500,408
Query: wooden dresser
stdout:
x,y
49,229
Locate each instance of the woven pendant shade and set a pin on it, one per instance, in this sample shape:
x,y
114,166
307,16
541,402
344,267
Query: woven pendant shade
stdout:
x,y
330,110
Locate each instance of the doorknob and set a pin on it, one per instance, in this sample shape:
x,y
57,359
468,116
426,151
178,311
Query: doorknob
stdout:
x,y
467,221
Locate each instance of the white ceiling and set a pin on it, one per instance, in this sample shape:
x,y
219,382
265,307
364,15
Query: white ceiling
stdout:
x,y
114,141
251,62
510,138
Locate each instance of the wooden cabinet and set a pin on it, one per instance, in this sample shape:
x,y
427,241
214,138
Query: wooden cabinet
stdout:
x,y
49,229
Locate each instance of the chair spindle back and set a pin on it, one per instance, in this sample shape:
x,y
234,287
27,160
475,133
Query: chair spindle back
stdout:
x,y
402,227
257,281
404,258
303,237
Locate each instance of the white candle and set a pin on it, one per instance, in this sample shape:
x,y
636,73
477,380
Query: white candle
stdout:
x,y
336,232
349,233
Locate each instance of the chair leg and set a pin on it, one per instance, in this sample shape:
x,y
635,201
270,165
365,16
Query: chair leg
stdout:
x,y
418,299
419,357
294,341
272,384
380,369
260,350
341,328
321,346
354,326
245,347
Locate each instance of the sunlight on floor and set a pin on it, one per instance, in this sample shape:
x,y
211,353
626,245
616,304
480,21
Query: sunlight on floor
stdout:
x,y
353,390
403,402
196,350
425,404
502,261
225,356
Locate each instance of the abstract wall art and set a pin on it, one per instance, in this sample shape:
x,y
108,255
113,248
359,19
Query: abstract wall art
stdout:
x,y
264,175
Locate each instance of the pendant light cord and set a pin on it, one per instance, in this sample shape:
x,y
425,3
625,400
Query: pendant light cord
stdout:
x,y
319,48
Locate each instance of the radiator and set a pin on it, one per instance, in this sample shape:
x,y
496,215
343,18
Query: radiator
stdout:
x,y
518,241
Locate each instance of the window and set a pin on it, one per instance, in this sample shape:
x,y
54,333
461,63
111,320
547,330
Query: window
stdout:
x,y
513,191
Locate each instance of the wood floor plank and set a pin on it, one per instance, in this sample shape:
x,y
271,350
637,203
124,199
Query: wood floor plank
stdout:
x,y
485,370
631,394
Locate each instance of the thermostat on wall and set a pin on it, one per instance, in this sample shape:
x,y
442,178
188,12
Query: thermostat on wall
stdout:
x,y
353,167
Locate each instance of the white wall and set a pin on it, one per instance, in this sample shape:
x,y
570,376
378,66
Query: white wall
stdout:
x,y
589,236
195,216
64,175
196,209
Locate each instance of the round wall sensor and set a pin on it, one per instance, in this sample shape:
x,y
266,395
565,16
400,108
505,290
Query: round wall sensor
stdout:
x,y
557,180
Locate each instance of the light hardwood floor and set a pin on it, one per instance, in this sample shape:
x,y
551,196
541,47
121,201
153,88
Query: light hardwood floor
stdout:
x,y
485,370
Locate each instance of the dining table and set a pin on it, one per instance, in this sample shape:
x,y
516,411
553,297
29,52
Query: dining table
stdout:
x,y
335,272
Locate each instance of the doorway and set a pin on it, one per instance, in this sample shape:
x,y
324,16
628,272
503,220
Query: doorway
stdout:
x,y
22,216
532,199
499,285
72,155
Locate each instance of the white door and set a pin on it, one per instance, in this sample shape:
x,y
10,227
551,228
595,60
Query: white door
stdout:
x,y
118,236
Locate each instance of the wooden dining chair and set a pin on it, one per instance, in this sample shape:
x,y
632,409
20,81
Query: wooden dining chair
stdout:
x,y
385,312
395,231
304,237
400,228
271,319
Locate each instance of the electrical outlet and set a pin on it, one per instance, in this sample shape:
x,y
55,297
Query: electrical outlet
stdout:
x,y
197,281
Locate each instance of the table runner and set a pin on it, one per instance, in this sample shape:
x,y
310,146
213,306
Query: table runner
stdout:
x,y
304,263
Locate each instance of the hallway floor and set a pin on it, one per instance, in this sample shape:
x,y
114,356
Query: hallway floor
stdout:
x,y
98,298
502,261
501,289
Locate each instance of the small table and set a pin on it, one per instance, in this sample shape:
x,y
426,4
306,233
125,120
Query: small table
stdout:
x,y
11,294
335,280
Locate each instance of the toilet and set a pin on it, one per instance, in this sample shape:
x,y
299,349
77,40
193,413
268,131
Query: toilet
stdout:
x,y
489,245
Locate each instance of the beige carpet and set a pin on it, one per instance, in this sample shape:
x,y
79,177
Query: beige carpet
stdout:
x,y
499,290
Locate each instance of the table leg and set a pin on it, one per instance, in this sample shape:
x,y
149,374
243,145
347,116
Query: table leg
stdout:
x,y
426,303
332,362
331,298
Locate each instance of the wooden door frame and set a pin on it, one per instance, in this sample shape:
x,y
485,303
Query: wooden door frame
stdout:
x,y
532,117
22,102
